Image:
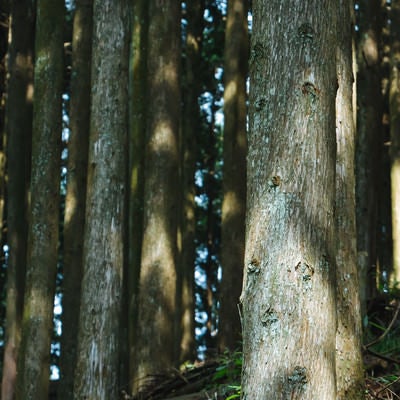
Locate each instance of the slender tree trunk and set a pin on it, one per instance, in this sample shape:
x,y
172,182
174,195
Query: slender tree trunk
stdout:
x,y
37,321
155,344
394,107
190,124
234,173
368,144
349,364
289,310
19,132
74,220
97,370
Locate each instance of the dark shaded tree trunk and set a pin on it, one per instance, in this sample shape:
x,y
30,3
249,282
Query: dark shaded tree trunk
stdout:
x,y
289,310
37,321
97,370
349,364
234,174
138,114
156,335
190,126
74,219
368,143
19,132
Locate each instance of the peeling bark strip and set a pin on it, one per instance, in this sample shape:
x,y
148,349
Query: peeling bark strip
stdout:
x,y
97,371
289,313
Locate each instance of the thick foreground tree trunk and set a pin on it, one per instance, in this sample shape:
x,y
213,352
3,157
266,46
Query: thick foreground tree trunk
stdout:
x,y
289,310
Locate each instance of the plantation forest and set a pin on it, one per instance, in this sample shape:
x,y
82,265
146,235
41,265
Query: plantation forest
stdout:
x,y
200,199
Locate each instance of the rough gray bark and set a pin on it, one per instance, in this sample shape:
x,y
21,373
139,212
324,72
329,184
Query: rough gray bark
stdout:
x,y
288,299
156,336
97,370
37,321
234,173
74,220
19,131
349,364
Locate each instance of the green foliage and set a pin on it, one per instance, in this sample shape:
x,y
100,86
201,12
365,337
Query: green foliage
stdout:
x,y
228,374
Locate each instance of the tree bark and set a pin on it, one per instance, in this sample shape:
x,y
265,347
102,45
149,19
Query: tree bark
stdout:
x,y
368,145
394,109
349,364
289,310
19,132
74,219
138,118
190,124
37,323
155,344
97,370
234,174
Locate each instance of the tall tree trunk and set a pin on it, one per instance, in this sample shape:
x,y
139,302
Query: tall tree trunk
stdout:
x,y
234,173
349,365
138,87
4,35
190,124
394,108
97,370
74,220
37,321
289,310
19,131
368,146
154,350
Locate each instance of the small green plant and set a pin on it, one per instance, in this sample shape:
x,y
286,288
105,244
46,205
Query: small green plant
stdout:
x,y
236,394
228,374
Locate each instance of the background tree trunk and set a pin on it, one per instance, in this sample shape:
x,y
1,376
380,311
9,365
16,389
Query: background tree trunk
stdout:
x,y
234,174
349,364
289,311
97,371
368,144
138,118
155,343
190,126
37,322
394,106
74,220
19,132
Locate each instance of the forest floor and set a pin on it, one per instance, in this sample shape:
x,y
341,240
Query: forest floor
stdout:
x,y
211,380
219,378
